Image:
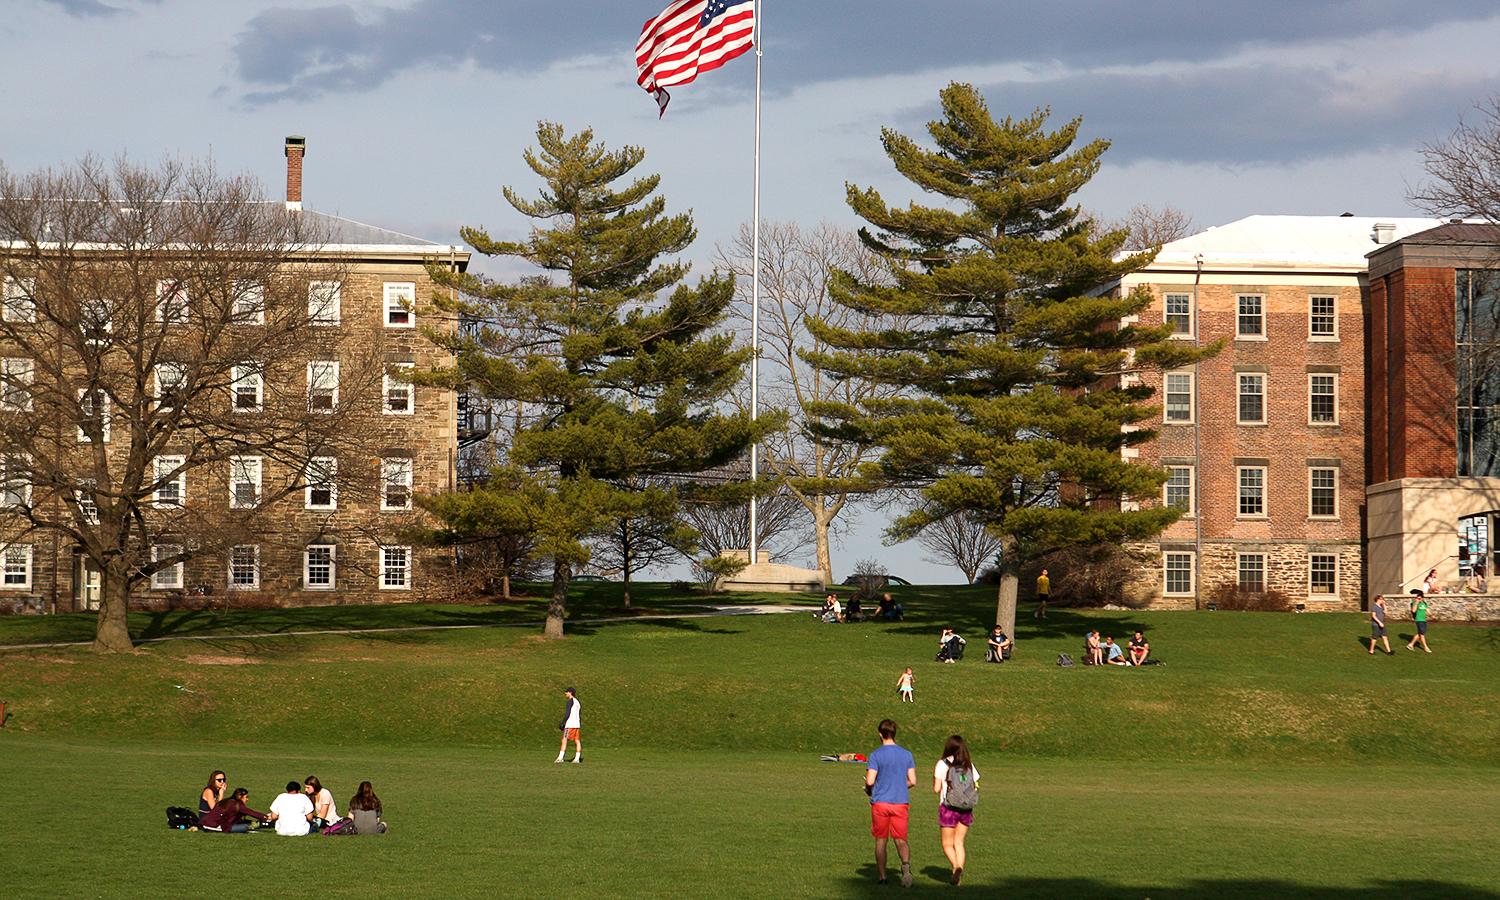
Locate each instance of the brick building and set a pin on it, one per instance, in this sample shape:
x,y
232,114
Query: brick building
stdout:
x,y
326,528
1266,443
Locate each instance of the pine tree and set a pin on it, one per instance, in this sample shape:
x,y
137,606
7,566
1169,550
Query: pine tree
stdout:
x,y
618,388
1019,383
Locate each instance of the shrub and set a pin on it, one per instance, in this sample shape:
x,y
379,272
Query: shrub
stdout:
x,y
1234,597
1091,576
869,577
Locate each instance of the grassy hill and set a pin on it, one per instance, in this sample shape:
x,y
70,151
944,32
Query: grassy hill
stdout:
x,y
1269,758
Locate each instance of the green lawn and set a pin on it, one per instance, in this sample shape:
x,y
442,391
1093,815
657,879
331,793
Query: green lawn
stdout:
x,y
1270,757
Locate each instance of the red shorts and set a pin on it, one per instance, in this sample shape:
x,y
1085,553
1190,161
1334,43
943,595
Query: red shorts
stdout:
x,y
571,734
889,820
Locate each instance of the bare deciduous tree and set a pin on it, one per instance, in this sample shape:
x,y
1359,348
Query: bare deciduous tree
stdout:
x,y
1464,168
962,541
163,382
821,474
1148,227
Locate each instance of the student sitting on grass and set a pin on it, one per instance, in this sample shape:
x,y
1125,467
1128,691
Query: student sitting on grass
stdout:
x,y
950,647
292,811
831,613
364,809
1114,655
1093,654
325,812
225,817
1140,648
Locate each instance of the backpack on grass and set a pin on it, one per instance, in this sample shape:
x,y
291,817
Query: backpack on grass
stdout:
x,y
342,826
1064,660
181,817
963,791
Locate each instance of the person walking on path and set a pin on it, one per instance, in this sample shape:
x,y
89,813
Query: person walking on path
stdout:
x,y
1419,616
890,773
953,821
903,684
1377,625
571,723
1043,592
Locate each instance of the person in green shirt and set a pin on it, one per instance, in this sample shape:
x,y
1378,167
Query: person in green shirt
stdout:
x,y
1419,615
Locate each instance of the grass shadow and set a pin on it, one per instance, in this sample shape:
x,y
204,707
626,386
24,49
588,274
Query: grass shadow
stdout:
x,y
977,885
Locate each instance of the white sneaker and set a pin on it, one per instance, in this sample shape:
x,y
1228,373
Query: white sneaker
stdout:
x,y
578,759
559,759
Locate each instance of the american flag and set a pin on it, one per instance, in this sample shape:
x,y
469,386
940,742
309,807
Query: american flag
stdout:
x,y
689,37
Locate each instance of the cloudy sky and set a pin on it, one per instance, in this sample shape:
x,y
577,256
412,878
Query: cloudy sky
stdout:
x,y
416,113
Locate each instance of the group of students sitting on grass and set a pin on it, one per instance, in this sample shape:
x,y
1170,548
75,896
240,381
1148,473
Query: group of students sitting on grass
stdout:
x,y
1107,652
853,611
302,809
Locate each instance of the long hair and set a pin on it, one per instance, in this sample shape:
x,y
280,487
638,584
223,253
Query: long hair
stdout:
x,y
234,801
316,785
213,783
366,798
958,751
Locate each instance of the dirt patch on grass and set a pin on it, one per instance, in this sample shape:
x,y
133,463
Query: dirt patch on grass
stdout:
x,y
203,659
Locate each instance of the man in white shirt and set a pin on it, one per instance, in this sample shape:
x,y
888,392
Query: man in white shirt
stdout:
x,y
571,724
293,811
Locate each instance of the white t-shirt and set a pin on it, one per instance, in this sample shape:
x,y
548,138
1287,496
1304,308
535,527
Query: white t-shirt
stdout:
x,y
292,810
940,772
574,713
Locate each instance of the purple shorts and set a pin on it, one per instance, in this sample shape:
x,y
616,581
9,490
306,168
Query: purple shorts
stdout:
x,y
952,818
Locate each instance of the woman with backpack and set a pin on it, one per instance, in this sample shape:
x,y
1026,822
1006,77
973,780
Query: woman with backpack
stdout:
x,y
956,782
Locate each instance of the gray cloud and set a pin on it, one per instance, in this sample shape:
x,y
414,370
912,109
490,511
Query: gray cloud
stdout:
x,y
86,8
301,53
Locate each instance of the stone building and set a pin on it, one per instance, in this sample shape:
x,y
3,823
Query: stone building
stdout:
x,y
1266,443
328,529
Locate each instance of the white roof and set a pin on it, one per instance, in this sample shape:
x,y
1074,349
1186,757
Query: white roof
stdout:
x,y
1276,242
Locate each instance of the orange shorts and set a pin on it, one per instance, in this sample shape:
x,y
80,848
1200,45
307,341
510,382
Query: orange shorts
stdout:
x,y
571,734
889,819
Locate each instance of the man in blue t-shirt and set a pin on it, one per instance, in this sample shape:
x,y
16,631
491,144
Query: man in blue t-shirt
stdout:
x,y
888,776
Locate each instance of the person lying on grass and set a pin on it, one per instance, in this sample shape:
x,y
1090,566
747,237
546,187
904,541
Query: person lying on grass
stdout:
x,y
225,816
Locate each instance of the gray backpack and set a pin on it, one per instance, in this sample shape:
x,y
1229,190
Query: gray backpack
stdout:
x,y
963,792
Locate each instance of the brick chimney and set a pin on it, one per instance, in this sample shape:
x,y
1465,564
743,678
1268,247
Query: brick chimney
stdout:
x,y
296,146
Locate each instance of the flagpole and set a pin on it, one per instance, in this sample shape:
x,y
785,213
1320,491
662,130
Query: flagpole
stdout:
x,y
755,297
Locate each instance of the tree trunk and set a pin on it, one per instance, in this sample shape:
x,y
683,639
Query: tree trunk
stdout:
x,y
1010,582
626,570
505,586
820,530
112,633
558,608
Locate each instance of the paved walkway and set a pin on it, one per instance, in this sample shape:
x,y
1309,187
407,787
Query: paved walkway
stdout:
x,y
756,609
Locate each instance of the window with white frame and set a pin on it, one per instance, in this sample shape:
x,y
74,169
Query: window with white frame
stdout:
x,y
1179,314
1250,319
398,397
322,487
1322,318
1178,388
1323,399
15,481
20,300
171,302
395,568
16,374
395,480
1252,572
93,415
244,567
1252,399
171,379
171,481
247,388
96,321
244,482
1179,488
318,567
15,566
1322,573
168,577
1178,569
400,300
88,507
1252,492
322,386
324,299
248,306
1323,489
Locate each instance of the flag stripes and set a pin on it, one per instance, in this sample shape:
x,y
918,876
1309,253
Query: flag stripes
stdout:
x,y
689,37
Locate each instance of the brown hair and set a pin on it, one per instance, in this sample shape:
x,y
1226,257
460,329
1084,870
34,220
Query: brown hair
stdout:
x,y
887,730
958,751
365,798
317,785
213,780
